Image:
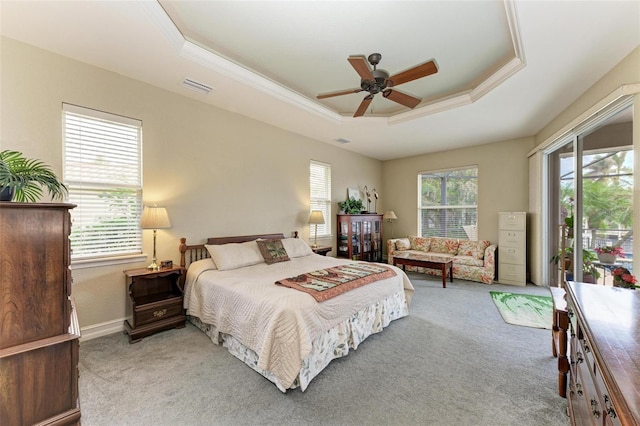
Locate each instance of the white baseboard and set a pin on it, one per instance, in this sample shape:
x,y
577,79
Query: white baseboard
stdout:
x,y
102,329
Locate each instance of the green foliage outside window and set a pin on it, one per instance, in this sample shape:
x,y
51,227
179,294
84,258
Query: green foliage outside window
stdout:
x,y
607,197
448,201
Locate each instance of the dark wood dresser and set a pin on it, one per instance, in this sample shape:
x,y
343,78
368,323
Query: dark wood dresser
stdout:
x,y
39,329
604,373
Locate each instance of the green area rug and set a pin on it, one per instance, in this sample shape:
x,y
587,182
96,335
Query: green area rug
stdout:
x,y
524,309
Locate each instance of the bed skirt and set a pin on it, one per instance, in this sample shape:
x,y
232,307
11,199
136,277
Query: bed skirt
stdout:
x,y
332,344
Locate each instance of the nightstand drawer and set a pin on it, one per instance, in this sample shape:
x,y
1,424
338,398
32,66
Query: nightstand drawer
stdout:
x,y
156,311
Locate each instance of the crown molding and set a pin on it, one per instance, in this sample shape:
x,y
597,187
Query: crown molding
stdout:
x,y
230,69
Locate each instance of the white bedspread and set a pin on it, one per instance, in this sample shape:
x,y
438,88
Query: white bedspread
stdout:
x,y
276,322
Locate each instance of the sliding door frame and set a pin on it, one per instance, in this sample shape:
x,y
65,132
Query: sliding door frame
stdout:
x,y
549,205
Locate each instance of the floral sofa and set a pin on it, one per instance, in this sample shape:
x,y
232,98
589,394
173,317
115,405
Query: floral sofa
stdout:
x,y
472,260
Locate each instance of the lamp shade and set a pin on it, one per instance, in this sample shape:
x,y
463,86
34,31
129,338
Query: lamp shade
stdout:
x,y
154,218
316,217
389,215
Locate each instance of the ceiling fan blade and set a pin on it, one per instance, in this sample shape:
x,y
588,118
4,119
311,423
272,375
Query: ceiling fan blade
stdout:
x,y
414,73
340,93
363,106
401,98
360,64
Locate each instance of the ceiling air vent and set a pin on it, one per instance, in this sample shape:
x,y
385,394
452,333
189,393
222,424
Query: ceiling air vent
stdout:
x,y
197,86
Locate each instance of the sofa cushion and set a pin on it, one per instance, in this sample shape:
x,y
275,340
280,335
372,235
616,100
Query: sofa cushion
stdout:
x,y
482,246
421,255
473,248
403,244
467,260
468,248
444,245
438,256
419,243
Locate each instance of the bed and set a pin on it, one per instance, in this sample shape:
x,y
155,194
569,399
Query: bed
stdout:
x,y
282,333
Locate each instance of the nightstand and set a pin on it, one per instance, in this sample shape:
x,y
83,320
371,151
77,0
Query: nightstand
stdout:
x,y
321,250
155,298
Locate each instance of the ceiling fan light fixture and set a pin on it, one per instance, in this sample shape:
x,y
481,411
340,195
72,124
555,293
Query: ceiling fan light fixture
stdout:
x,y
378,81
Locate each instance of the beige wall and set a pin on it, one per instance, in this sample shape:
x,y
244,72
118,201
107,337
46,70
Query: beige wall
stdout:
x,y
502,183
218,173
627,72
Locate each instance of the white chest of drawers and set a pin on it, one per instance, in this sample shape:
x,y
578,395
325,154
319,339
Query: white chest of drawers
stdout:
x,y
512,248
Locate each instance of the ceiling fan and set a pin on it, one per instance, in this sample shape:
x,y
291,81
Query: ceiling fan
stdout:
x,y
378,81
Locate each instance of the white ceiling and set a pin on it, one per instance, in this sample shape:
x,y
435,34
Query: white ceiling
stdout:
x,y
505,68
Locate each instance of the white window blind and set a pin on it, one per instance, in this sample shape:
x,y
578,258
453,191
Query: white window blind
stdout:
x,y
320,194
103,170
447,202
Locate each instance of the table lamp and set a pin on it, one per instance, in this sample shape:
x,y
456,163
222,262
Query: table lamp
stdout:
x,y
155,218
390,216
316,218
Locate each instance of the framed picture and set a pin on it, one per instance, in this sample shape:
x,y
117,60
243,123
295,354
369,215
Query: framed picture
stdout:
x,y
354,193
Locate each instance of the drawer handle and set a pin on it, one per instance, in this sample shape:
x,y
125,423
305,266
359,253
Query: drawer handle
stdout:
x,y
594,408
610,410
570,312
586,348
579,356
579,389
159,313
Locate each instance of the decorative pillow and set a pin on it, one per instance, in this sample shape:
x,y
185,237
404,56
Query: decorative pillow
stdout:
x,y
235,255
444,245
296,247
419,243
273,251
468,248
482,246
403,244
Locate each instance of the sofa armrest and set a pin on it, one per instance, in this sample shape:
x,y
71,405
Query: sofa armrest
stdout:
x,y
391,248
490,256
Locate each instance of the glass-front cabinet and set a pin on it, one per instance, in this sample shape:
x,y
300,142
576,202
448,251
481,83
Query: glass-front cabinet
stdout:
x,y
360,237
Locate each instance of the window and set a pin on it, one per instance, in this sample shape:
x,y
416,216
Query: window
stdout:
x,y
320,194
103,170
447,202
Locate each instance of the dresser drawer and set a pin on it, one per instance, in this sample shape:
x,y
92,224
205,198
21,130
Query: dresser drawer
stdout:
x,y
512,238
516,221
589,410
157,311
514,255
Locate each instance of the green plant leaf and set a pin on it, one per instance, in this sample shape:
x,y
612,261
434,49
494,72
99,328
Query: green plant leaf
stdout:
x,y
28,177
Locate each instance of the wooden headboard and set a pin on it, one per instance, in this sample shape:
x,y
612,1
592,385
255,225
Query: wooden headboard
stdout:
x,y
192,253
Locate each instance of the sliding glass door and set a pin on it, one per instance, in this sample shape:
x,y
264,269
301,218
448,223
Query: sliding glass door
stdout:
x,y
590,190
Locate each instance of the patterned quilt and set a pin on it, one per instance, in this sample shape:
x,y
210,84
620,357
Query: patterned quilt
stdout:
x,y
324,284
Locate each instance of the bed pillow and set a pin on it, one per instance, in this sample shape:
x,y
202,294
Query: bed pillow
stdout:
x,y
235,255
205,264
273,251
296,247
